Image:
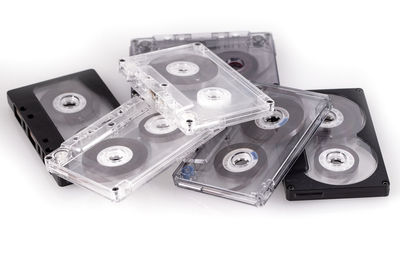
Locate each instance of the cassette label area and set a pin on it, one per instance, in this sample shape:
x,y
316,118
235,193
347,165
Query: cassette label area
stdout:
x,y
247,161
123,150
252,54
194,88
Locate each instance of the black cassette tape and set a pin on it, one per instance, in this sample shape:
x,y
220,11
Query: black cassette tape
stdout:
x,y
54,110
343,160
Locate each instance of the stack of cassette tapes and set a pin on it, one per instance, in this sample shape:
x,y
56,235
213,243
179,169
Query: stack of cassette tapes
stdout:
x,y
212,104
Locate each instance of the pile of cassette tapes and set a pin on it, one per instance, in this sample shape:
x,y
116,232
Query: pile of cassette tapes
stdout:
x,y
212,104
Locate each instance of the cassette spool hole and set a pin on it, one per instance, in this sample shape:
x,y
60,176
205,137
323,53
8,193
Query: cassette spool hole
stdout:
x,y
279,117
235,63
336,159
333,119
240,160
273,119
114,156
330,117
69,102
159,125
214,97
182,68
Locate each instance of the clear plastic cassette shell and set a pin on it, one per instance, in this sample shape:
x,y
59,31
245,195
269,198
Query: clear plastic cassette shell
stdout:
x,y
246,162
250,53
194,88
123,150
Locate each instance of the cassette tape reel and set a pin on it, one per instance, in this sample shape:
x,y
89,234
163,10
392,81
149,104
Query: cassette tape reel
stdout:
x,y
251,54
54,110
246,162
343,160
123,150
194,88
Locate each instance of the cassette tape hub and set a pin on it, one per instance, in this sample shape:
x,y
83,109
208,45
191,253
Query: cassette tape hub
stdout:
x,y
343,160
54,110
250,53
246,162
194,88
122,150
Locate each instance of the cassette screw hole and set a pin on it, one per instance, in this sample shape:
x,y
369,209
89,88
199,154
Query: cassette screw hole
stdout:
x,y
197,43
164,85
111,124
48,157
30,116
115,189
290,187
22,108
122,60
75,138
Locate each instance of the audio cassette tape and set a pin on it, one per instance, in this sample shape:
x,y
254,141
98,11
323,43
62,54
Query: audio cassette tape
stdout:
x,y
250,53
194,88
123,150
54,110
343,160
246,162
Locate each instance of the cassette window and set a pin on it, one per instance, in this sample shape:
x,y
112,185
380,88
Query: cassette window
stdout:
x,y
246,162
194,88
123,150
252,54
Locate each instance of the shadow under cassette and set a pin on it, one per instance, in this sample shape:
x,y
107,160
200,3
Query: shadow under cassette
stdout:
x,y
343,160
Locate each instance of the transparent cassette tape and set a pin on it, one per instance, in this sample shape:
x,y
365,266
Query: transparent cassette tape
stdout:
x,y
246,162
123,150
250,53
194,88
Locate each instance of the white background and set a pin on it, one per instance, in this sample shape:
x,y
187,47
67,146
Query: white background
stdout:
x,y
320,44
